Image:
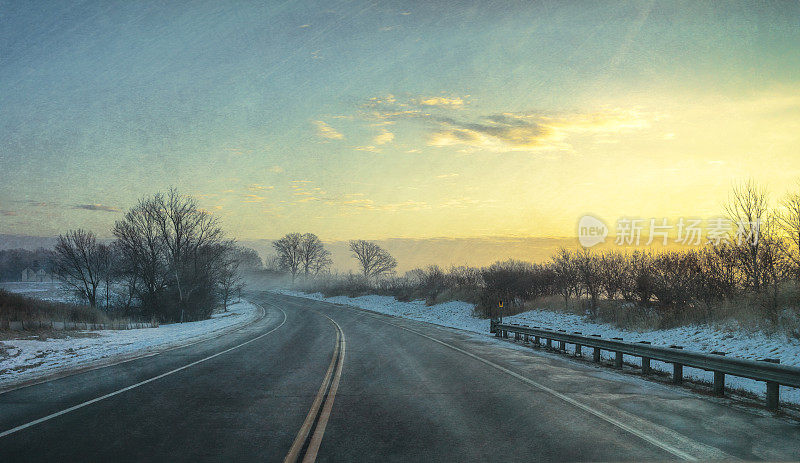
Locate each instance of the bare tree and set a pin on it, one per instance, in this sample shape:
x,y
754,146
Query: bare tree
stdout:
x,y
718,273
789,223
139,240
587,265
290,255
248,258
172,247
374,260
773,265
314,258
185,230
566,275
612,268
747,209
77,263
230,281
106,263
272,263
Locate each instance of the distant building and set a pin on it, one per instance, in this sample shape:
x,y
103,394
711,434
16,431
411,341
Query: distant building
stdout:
x,y
28,275
39,276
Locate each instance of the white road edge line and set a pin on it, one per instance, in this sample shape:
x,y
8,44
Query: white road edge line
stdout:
x,y
644,436
133,386
192,341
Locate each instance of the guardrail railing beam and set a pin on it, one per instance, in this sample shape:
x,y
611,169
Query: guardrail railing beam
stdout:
x,y
769,371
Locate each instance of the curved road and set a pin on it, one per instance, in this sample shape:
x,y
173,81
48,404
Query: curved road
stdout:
x,y
313,380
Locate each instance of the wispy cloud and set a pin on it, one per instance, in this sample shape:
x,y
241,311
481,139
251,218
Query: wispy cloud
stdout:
x,y
276,169
253,198
531,131
8,213
326,131
501,132
260,187
96,207
370,205
351,202
442,101
384,138
466,202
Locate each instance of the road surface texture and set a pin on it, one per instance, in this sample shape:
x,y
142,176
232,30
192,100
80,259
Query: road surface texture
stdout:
x,y
314,380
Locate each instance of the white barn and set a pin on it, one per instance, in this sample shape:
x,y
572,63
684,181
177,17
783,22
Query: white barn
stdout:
x,y
32,275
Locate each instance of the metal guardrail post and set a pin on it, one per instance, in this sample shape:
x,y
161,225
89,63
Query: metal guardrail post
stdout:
x,y
773,390
562,346
677,369
578,347
596,354
536,342
549,343
719,379
617,356
646,370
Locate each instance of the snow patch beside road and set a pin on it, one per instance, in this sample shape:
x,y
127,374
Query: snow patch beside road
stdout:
x,y
24,360
737,343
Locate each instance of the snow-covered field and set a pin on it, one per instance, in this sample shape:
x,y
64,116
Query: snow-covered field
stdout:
x,y
23,360
737,343
48,291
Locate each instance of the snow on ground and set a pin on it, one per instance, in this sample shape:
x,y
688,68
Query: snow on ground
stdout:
x,y
23,360
737,343
45,290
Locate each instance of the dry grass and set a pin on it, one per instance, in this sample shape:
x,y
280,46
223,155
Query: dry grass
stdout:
x,y
747,312
37,314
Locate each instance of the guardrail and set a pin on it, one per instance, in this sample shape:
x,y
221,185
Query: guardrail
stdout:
x,y
768,370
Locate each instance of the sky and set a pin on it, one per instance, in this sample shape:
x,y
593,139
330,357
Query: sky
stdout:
x,y
382,120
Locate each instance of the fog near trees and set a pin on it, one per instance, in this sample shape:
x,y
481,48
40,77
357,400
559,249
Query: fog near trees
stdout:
x,y
752,275
170,261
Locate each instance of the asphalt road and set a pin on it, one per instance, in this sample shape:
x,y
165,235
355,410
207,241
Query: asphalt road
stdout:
x,y
317,380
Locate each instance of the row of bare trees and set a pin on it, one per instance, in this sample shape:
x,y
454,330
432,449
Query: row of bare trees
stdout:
x,y
169,260
757,257
757,264
304,254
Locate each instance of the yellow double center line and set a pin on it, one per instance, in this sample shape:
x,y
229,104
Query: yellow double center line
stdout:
x,y
324,399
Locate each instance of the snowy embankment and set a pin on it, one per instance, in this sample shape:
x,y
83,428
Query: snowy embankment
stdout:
x,y
25,360
737,343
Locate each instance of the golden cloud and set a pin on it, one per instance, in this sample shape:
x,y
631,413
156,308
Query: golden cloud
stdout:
x,y
384,138
531,131
326,131
442,101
